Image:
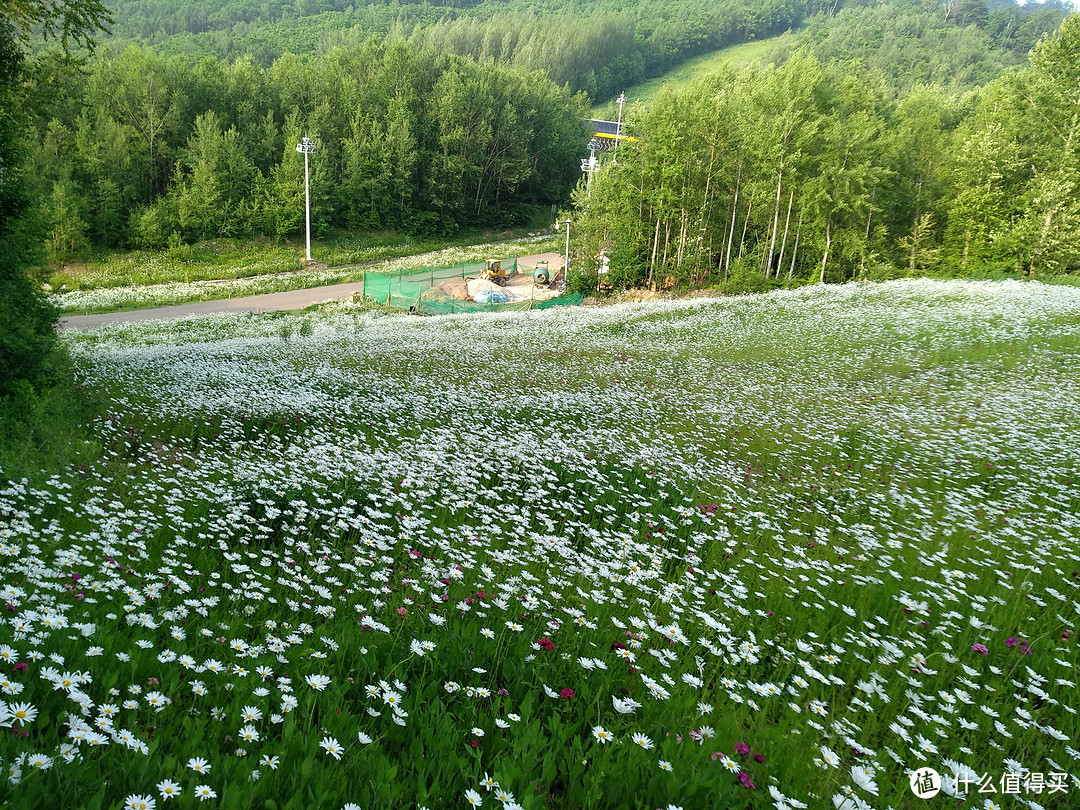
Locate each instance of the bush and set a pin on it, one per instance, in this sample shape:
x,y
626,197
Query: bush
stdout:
x,y
582,281
882,271
27,336
43,427
747,277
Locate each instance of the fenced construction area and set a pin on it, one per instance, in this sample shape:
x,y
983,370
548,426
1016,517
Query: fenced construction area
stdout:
x,y
526,283
777,551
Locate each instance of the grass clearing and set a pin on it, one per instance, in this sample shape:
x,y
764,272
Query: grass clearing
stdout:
x,y
748,552
692,70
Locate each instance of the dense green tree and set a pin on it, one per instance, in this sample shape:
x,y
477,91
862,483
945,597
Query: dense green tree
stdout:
x,y
26,319
758,175
1048,118
862,149
203,203
985,170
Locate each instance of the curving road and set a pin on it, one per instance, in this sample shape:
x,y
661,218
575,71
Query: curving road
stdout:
x,y
268,302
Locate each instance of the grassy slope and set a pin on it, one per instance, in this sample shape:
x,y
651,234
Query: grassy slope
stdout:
x,y
745,53
859,482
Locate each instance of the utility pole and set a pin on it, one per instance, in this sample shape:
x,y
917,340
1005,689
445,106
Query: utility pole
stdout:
x,y
307,147
590,166
566,258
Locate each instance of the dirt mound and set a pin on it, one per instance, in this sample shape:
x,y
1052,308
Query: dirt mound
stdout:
x,y
454,287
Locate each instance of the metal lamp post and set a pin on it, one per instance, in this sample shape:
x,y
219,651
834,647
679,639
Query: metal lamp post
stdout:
x,y
307,146
618,127
566,258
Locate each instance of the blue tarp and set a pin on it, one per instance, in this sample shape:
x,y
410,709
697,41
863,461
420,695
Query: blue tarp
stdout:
x,y
491,297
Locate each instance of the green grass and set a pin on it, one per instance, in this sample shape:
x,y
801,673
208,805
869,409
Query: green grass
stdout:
x,y
692,70
47,429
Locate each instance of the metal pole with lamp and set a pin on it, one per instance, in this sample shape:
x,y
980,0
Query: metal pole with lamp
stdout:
x,y
566,258
307,146
618,127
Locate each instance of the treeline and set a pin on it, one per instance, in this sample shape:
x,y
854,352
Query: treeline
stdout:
x,y
962,44
609,50
469,120
147,149
596,46
812,171
602,47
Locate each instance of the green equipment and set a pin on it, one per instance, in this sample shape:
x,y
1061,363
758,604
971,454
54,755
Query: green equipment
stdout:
x,y
541,274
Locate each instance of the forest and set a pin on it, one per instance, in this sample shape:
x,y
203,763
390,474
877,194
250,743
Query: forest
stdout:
x,y
154,148
813,171
879,138
596,46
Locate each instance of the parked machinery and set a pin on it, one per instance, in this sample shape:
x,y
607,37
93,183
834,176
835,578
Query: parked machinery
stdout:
x,y
494,272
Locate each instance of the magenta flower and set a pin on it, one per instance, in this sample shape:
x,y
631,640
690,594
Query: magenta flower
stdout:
x,y
746,781
742,748
980,648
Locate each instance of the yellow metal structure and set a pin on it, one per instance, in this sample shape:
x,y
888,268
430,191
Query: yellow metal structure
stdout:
x,y
494,272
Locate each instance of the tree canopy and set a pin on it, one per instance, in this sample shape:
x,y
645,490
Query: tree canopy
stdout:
x,y
815,171
26,318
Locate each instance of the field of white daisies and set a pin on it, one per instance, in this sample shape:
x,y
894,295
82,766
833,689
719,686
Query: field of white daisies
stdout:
x,y
776,551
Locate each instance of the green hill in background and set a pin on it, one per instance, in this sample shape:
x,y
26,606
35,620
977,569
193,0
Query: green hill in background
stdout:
x,y
694,69
901,42
597,46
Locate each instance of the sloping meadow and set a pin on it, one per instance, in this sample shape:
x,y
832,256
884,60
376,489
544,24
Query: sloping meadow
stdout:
x,y
772,551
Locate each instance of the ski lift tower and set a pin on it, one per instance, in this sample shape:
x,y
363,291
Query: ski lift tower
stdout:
x,y
590,165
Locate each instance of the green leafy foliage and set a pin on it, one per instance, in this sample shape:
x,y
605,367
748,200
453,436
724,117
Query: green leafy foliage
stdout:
x,y
148,146
812,172
596,46
26,318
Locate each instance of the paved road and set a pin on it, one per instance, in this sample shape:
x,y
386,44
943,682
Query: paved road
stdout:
x,y
268,302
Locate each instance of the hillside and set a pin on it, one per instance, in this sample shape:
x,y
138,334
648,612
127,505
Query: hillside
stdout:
x,y
471,121
903,42
597,46
582,559
694,69
887,159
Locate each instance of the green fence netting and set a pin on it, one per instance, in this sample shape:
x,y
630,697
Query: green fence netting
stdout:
x,y
436,303
412,290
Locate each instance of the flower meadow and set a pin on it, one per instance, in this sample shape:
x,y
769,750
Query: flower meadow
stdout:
x,y
776,551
